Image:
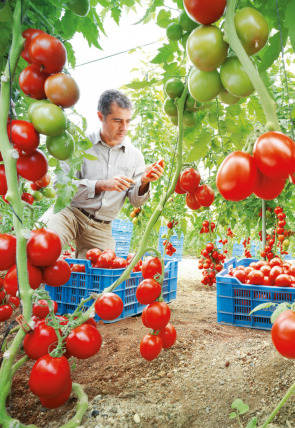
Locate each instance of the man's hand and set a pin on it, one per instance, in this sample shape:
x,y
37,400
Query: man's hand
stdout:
x,y
153,172
118,183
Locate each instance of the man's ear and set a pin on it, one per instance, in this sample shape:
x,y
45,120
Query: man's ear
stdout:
x,y
100,116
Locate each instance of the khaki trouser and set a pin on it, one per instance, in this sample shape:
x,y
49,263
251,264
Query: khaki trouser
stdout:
x,y
71,224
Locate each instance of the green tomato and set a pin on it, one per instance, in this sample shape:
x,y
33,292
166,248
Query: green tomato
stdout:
x,y
286,243
252,29
234,78
204,85
49,192
62,146
34,105
206,48
227,98
174,120
37,195
174,31
169,107
189,118
174,87
191,104
186,23
49,119
79,7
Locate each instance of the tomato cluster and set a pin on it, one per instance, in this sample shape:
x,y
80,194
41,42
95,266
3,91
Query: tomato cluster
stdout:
x,y
274,272
107,259
207,227
279,233
196,195
211,262
247,252
263,174
8,303
135,215
208,52
156,315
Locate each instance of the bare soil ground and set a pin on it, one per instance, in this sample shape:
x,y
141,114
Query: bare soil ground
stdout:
x,y
190,385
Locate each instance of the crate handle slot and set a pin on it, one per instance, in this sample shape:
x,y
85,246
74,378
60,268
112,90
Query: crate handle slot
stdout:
x,y
232,261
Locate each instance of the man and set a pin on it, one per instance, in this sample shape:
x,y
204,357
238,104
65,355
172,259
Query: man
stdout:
x,y
103,184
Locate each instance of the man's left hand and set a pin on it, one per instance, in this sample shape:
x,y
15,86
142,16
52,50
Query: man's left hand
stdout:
x,y
153,172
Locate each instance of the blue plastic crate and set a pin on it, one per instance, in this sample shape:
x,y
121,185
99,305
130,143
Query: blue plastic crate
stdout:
x,y
122,226
236,300
81,285
176,242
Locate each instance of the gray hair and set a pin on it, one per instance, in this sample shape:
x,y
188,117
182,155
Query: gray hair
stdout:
x,y
112,96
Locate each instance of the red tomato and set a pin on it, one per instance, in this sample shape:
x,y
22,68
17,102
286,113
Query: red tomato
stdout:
x,y
27,197
150,267
274,154
3,181
283,334
204,195
178,189
160,163
34,186
93,254
23,135
84,341
283,280
192,202
189,179
32,166
49,376
7,251
31,82
48,52
40,341
157,315
109,306
29,34
150,347
14,301
43,182
240,275
91,321
274,272
10,280
168,336
204,11
276,261
77,268
148,291
268,188
57,274
237,176
41,308
44,247
119,263
59,400
256,277
105,260
265,270
143,317
5,312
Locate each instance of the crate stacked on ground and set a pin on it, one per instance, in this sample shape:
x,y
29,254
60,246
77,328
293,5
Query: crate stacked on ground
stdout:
x,y
81,285
238,249
176,242
236,300
122,233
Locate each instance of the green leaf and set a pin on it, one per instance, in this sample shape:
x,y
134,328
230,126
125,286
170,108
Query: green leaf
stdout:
x,y
252,423
89,156
272,52
5,12
243,409
200,148
68,24
52,162
233,415
237,403
116,14
85,144
281,308
137,84
289,22
89,31
164,18
262,307
70,54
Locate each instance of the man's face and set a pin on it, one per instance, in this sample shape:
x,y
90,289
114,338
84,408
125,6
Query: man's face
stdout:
x,y
115,125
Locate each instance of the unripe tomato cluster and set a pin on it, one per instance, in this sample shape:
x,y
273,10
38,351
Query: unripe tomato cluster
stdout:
x,y
274,272
196,195
211,262
156,315
208,52
135,215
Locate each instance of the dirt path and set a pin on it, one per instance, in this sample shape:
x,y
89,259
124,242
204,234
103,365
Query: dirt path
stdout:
x,y
191,385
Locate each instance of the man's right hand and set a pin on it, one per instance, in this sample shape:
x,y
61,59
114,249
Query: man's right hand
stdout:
x,y
118,183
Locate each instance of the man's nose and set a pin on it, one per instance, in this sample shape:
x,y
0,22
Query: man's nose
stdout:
x,y
124,126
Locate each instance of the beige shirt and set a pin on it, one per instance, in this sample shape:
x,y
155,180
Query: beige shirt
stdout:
x,y
124,159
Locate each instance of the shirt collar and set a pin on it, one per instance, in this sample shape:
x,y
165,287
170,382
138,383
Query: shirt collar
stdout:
x,y
120,146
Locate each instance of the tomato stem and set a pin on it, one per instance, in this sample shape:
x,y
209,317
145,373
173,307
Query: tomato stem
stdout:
x,y
280,405
82,407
